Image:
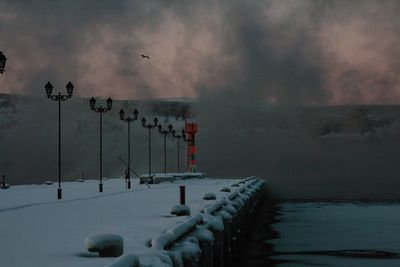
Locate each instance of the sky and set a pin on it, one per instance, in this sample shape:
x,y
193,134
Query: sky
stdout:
x,y
302,52
238,59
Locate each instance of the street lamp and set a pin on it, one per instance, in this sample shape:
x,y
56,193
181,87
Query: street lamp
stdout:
x,y
3,60
59,97
178,137
165,132
101,110
129,120
149,126
187,140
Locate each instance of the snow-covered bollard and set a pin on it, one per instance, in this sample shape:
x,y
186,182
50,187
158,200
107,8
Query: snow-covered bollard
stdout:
x,y
126,260
209,196
107,245
227,220
206,242
216,226
190,252
225,189
180,210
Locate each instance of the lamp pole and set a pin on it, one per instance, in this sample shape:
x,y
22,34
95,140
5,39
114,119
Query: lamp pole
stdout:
x,y
187,140
59,97
129,120
101,110
165,132
178,137
149,126
3,61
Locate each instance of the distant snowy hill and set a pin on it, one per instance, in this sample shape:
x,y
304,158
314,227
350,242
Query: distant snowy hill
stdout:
x,y
318,152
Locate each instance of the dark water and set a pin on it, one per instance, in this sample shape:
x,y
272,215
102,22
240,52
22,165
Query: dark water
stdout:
x,y
325,234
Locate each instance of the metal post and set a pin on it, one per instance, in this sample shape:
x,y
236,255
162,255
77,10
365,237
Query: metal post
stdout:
x,y
129,156
165,154
182,195
4,181
178,155
59,189
101,153
149,153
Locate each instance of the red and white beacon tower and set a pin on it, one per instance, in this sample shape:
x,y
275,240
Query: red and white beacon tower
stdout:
x,y
191,130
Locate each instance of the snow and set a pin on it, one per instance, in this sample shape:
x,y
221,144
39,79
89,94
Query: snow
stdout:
x,y
53,231
105,244
180,210
124,261
209,196
166,239
225,189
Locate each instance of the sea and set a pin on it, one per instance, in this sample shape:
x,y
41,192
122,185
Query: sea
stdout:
x,y
334,234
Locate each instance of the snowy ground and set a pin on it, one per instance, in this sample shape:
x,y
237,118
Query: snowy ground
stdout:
x,y
39,230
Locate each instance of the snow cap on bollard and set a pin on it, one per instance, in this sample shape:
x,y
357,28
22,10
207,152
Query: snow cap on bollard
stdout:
x,y
107,245
180,210
209,196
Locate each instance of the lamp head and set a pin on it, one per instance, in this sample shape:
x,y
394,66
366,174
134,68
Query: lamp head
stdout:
x,y
92,102
143,121
49,89
170,128
70,88
109,103
135,114
155,121
121,113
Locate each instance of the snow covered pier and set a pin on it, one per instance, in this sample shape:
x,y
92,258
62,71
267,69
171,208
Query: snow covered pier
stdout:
x,y
41,231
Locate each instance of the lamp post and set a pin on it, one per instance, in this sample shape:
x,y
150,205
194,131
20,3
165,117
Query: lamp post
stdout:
x,y
187,140
178,137
129,120
165,132
59,97
101,110
149,126
3,60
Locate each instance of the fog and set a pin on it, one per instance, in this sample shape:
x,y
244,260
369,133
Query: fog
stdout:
x,y
256,70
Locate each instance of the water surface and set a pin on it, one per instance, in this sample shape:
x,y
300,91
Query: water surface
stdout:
x,y
337,234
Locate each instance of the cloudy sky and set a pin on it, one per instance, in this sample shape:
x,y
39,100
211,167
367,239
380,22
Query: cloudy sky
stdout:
x,y
312,52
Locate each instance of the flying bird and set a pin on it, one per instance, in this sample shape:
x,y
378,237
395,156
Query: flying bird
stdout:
x,y
144,56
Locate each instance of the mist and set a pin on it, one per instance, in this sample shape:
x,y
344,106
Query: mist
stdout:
x,y
257,70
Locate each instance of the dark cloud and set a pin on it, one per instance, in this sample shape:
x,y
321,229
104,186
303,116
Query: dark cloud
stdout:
x,y
285,52
237,57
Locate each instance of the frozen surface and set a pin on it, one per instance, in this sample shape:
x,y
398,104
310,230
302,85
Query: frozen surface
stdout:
x,y
39,230
311,232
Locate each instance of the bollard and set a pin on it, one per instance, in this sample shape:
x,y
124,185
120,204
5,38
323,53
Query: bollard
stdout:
x,y
216,226
227,220
206,242
182,195
190,252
